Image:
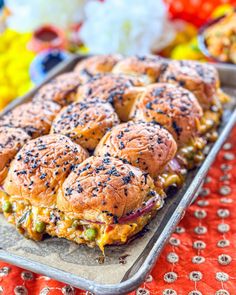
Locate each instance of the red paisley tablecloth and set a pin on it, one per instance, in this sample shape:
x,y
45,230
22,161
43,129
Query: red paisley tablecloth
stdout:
x,y
200,258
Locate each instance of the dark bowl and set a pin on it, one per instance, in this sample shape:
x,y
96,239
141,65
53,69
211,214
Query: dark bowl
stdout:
x,y
202,42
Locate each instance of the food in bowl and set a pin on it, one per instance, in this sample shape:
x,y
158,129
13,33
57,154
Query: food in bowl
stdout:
x,y
220,38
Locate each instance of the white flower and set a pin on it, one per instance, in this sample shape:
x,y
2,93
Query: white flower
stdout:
x,y
27,15
126,26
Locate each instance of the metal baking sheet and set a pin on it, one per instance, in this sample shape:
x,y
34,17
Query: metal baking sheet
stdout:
x,y
79,265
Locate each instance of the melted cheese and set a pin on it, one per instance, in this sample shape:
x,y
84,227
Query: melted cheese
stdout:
x,y
192,154
24,216
223,97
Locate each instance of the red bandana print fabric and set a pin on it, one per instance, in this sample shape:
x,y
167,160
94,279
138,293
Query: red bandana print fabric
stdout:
x,y
200,258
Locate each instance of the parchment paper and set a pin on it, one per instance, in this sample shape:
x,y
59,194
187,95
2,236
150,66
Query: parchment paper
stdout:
x,y
77,259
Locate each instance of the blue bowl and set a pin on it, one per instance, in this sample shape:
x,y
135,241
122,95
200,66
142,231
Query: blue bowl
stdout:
x,y
44,62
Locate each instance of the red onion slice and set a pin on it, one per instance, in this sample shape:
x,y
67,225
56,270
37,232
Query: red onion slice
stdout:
x,y
137,213
141,211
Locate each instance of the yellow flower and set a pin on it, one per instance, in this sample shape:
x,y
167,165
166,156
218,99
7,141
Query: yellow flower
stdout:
x,y
188,50
21,78
185,32
221,10
83,50
6,95
25,38
8,36
3,46
3,61
15,60
3,77
24,88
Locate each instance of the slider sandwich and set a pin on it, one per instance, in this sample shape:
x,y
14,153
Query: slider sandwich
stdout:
x,y
147,146
35,118
11,141
61,90
203,81
34,178
147,67
119,90
178,110
108,200
97,64
85,122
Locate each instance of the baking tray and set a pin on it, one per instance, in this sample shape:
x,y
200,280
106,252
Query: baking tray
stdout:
x,y
125,266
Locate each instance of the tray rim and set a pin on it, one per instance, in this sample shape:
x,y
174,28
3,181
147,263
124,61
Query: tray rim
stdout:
x,y
134,281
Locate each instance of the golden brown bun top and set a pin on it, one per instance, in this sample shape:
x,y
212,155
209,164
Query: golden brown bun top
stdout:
x,y
106,86
69,79
61,89
175,108
104,189
202,79
34,117
40,168
96,64
119,90
144,145
85,122
148,66
11,140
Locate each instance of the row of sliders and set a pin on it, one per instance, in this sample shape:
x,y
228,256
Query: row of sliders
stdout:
x,y
94,154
